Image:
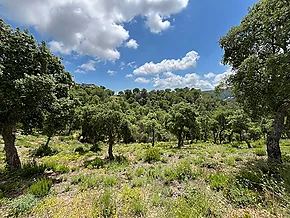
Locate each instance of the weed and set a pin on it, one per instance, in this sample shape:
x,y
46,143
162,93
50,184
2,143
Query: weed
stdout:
x,y
110,181
23,204
41,187
31,169
105,206
218,181
44,151
96,163
58,168
133,203
260,152
152,155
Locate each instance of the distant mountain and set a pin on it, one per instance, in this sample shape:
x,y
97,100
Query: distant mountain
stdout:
x,y
226,94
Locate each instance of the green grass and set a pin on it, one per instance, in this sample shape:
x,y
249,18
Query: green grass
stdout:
x,y
200,180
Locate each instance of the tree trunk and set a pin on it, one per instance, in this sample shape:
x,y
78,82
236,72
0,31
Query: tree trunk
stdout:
x,y
110,151
47,142
273,147
12,158
153,138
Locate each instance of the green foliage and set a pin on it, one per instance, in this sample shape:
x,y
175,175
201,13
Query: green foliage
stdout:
x,y
110,181
133,203
152,155
58,168
96,163
218,181
41,187
23,204
44,151
31,169
105,205
192,204
260,152
181,171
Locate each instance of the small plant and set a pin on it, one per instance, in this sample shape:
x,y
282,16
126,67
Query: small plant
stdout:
x,y
43,151
132,201
110,181
80,150
23,204
218,181
58,168
152,155
31,169
41,187
260,152
96,163
105,206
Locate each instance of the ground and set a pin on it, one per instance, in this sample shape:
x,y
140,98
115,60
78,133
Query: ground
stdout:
x,y
199,180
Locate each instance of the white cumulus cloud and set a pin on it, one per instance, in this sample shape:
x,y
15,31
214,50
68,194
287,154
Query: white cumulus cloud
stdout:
x,y
187,62
129,75
132,44
222,77
112,73
142,80
170,80
209,75
89,27
90,66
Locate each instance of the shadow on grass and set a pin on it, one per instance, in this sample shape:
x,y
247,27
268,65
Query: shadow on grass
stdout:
x,y
100,163
15,183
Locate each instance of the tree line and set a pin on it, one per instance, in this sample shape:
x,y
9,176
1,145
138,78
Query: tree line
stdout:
x,y
38,95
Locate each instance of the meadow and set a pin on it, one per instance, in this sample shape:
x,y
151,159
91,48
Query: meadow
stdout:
x,y
198,180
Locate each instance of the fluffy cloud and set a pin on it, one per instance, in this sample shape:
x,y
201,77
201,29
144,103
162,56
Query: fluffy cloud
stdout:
x,y
132,44
88,66
132,64
129,75
187,62
112,73
142,80
89,27
221,77
170,80
209,75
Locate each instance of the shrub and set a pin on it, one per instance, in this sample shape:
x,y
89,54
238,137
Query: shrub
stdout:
x,y
31,169
192,204
133,201
110,181
23,204
260,152
105,206
96,163
151,155
80,150
96,147
218,181
58,168
44,151
41,187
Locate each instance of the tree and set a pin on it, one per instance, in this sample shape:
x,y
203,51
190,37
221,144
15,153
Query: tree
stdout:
x,y
59,114
182,118
151,125
32,78
258,51
105,123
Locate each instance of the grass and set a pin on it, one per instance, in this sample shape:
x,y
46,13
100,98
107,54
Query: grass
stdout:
x,y
200,180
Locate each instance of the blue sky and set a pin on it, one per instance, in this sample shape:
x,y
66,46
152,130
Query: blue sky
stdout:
x,y
95,48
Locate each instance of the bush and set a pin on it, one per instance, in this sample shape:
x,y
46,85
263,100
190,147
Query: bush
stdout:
x,y
58,168
104,206
260,152
23,204
96,147
192,204
44,151
41,187
110,181
218,181
151,155
31,169
80,150
96,163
